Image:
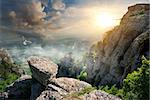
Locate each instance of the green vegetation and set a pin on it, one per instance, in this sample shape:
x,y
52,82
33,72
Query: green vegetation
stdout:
x,y
7,75
82,76
78,95
135,86
111,90
7,81
86,90
139,13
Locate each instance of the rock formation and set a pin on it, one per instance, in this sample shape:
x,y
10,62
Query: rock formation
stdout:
x,y
111,59
7,64
20,88
4,56
60,87
43,69
43,85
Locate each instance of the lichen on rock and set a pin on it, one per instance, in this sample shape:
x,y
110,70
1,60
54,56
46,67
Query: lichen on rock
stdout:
x,y
42,68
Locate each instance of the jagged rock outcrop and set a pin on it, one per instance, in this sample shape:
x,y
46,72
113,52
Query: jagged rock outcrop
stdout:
x,y
111,59
7,64
60,87
4,56
35,88
43,69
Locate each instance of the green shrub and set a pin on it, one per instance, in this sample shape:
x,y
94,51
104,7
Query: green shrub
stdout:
x,y
7,75
82,76
111,90
141,12
136,85
8,80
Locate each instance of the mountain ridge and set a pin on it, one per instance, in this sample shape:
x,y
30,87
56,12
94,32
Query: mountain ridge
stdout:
x,y
111,58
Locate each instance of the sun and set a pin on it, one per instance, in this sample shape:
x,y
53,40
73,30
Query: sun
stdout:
x,y
104,20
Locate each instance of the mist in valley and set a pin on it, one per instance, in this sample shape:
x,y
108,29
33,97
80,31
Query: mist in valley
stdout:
x,y
54,28
74,49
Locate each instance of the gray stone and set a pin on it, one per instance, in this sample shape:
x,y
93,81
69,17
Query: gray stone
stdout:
x,y
42,68
60,87
36,90
20,88
70,84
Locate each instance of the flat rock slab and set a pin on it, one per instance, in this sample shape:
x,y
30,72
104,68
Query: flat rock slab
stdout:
x,y
42,68
60,87
70,84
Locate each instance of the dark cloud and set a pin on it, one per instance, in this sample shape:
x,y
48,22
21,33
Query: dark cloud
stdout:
x,y
21,12
62,16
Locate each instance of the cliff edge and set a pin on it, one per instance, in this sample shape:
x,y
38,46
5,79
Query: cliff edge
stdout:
x,y
111,59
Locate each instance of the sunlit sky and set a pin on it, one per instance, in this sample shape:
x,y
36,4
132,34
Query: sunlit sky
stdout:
x,y
63,25
82,18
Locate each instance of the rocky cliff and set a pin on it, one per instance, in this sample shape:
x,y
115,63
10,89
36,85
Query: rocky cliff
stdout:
x,y
43,85
4,56
111,59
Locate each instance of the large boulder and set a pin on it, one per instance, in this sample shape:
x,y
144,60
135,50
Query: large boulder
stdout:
x,y
60,87
36,89
70,84
42,68
112,58
26,88
50,88
20,88
23,88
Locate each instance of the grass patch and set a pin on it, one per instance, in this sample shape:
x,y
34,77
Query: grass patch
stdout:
x,y
86,90
7,74
78,95
7,81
